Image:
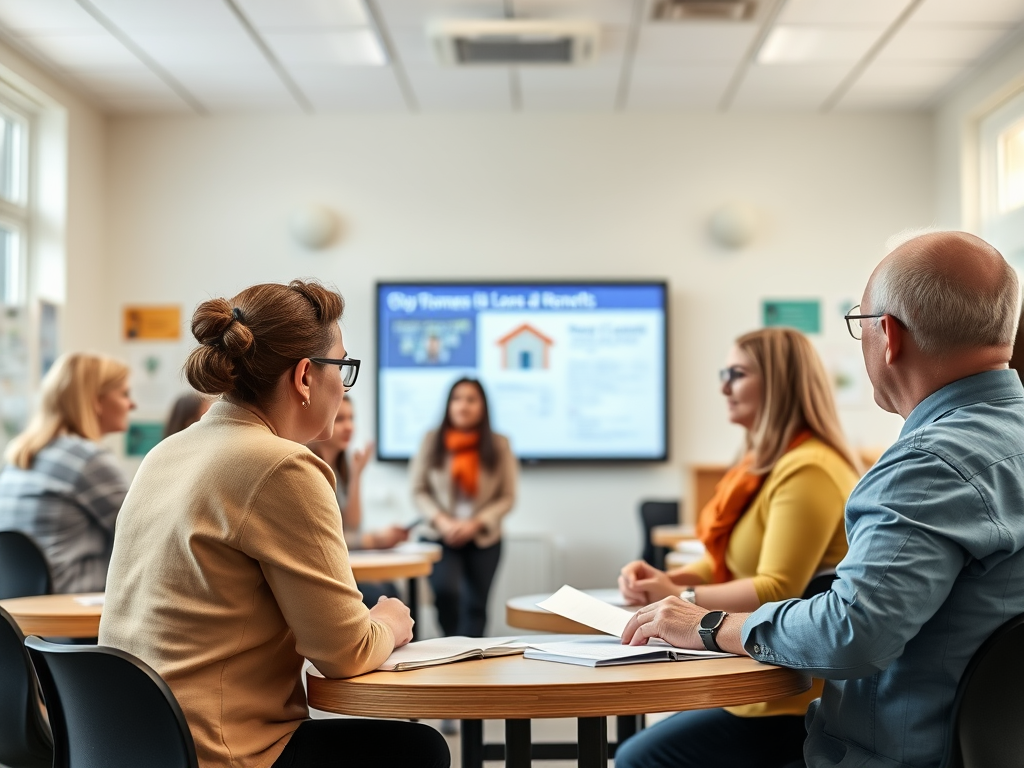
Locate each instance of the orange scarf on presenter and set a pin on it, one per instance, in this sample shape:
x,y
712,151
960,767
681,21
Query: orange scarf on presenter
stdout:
x,y
464,448
733,496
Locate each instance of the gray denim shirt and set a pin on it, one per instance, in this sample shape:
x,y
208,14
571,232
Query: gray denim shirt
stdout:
x,y
936,564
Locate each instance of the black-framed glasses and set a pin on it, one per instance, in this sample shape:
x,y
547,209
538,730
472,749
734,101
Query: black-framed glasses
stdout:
x,y
349,368
853,324
730,374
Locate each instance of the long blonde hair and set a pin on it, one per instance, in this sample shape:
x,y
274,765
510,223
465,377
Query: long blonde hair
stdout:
x,y
796,395
70,391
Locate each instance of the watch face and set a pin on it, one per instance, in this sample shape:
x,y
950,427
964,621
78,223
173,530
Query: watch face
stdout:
x,y
711,619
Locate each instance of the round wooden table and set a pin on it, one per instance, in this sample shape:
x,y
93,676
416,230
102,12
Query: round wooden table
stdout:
x,y
524,613
57,615
66,616
516,689
668,536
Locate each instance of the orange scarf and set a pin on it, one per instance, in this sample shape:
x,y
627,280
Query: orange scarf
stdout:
x,y
465,450
733,496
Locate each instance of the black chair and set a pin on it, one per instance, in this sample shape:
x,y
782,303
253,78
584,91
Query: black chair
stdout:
x,y
988,709
654,513
109,710
23,567
25,740
822,582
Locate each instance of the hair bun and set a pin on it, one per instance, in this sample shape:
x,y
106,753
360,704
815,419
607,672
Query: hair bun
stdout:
x,y
215,323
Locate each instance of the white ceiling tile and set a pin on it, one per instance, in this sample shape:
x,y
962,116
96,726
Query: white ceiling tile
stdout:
x,y
796,44
569,85
920,43
27,16
125,81
141,16
305,14
825,12
336,89
1005,12
655,88
202,49
84,50
456,90
788,86
601,11
143,105
419,13
924,78
686,43
887,101
348,47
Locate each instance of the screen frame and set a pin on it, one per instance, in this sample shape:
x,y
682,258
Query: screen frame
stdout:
x,y
487,283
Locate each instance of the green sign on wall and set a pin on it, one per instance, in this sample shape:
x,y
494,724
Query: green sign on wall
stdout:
x,y
805,316
142,436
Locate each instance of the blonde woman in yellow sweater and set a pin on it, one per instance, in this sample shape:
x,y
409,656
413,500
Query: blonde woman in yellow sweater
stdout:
x,y
775,521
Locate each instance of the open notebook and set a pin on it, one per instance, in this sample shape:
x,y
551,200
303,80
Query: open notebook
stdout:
x,y
602,651
445,650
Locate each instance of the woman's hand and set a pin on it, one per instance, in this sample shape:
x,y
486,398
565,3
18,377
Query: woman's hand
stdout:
x,y
360,458
388,537
461,532
641,584
395,614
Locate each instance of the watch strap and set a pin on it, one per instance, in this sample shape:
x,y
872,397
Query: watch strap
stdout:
x,y
709,635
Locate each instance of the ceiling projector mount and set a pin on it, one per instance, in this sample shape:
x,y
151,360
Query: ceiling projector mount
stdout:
x,y
514,42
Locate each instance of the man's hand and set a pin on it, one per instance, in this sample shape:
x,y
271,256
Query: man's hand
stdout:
x,y
673,619
641,583
395,614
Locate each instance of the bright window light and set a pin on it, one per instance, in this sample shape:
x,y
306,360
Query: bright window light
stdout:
x,y
1011,167
10,267
12,159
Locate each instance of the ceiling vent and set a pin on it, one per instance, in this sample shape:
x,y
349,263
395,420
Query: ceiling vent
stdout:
x,y
514,41
703,10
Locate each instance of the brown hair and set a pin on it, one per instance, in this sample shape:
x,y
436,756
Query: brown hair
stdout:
x,y
488,451
70,391
796,395
185,412
247,343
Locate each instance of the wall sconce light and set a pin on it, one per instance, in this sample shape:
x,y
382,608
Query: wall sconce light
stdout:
x,y
313,226
733,225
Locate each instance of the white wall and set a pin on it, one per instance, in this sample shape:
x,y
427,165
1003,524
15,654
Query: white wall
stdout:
x,y
198,208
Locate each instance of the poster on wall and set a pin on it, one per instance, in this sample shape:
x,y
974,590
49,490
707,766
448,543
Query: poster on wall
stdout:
x,y
152,323
804,315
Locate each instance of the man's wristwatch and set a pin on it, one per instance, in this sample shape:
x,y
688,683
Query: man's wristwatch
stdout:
x,y
709,626
689,595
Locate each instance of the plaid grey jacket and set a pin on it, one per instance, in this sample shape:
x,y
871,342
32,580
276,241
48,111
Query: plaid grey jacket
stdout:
x,y
67,502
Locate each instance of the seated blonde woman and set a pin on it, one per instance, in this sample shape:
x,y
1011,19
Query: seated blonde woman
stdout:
x,y
61,487
775,521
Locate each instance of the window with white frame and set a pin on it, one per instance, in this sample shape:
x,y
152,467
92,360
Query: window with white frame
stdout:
x,y
1001,166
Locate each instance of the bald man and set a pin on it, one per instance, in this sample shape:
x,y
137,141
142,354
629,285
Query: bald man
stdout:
x,y
936,527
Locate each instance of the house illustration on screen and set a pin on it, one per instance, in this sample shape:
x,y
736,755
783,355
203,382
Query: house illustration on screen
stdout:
x,y
525,349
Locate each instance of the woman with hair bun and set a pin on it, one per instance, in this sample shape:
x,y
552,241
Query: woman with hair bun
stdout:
x,y
230,567
61,487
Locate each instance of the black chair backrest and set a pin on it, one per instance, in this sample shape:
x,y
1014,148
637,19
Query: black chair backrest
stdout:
x,y
25,740
654,513
988,711
820,583
23,567
108,709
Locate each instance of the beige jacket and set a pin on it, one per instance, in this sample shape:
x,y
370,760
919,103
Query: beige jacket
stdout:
x,y
229,567
433,489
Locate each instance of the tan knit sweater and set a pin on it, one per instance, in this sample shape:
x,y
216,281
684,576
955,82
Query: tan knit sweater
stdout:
x,y
230,567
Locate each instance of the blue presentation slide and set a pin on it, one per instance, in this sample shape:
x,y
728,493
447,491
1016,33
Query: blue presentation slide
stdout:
x,y
571,371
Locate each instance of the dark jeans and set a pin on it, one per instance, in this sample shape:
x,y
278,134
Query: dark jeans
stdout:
x,y
461,581
364,744
713,737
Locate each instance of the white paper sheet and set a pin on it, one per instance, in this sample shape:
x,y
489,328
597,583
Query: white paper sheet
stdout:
x,y
89,600
579,606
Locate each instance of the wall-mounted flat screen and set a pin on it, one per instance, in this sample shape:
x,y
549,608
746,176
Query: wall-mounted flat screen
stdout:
x,y
573,371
